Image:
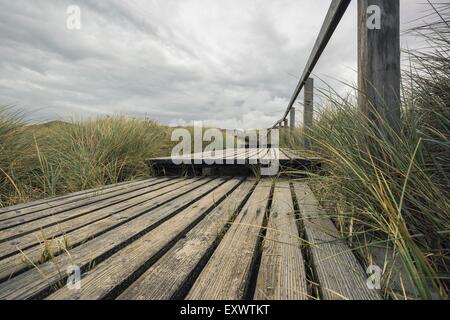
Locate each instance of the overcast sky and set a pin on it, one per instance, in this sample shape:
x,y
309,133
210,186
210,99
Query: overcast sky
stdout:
x,y
232,63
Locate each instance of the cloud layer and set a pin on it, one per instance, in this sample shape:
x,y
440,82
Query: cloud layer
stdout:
x,y
229,63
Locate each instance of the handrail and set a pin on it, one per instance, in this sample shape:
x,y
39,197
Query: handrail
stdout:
x,y
334,16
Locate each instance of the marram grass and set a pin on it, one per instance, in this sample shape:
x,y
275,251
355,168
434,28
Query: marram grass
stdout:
x,y
388,188
39,161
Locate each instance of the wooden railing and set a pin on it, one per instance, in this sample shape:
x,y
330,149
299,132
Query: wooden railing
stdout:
x,y
378,59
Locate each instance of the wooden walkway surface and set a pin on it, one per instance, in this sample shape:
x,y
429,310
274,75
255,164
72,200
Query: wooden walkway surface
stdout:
x,y
231,162
178,238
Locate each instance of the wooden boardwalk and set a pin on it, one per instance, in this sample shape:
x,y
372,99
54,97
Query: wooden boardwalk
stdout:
x,y
179,238
232,162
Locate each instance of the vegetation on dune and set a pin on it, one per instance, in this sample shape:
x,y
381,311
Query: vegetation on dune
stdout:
x,y
39,161
390,189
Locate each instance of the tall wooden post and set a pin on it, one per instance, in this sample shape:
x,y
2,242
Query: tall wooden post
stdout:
x,y
308,113
292,118
379,60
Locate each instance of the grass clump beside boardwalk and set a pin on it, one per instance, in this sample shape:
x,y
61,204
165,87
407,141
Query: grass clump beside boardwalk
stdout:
x,y
388,191
39,161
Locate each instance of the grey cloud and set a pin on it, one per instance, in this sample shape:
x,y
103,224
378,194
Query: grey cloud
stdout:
x,y
230,63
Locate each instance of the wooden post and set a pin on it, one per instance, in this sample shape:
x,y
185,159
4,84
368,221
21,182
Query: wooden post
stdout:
x,y
293,118
286,123
308,113
379,60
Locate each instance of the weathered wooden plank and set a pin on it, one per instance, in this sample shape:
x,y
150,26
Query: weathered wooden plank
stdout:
x,y
275,154
245,157
227,274
118,268
55,210
292,118
339,274
238,156
15,263
42,204
37,282
164,279
282,273
286,155
55,216
74,232
49,201
255,158
308,114
234,154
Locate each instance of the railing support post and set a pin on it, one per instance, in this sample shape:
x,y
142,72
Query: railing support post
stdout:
x,y
308,113
379,60
292,118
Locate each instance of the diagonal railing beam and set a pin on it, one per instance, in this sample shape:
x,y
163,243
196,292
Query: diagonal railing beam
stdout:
x,y
334,16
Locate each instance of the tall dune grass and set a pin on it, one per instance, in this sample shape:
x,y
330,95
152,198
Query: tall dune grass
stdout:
x,y
390,189
39,161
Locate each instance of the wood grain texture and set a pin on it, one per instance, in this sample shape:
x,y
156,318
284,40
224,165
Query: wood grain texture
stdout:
x,y
379,66
124,264
339,274
227,274
32,246
229,156
66,198
88,210
61,201
308,113
292,120
167,276
37,219
35,281
282,273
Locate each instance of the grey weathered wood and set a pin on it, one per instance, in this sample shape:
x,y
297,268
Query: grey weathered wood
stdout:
x,y
275,154
130,240
292,118
334,16
339,274
308,113
256,158
23,241
35,281
57,236
227,274
167,276
379,62
109,274
40,206
78,204
32,205
240,158
49,201
229,156
282,273
39,220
